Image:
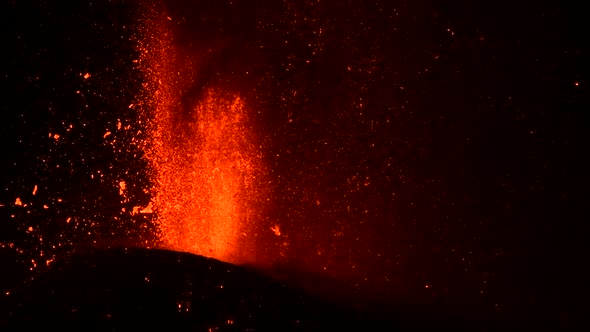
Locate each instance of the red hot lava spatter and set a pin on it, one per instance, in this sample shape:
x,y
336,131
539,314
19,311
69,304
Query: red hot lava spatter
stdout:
x,y
205,165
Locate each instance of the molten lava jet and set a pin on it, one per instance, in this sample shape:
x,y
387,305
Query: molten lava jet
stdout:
x,y
204,162
205,178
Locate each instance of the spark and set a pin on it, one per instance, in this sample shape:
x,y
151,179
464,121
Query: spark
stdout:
x,y
148,209
276,230
122,187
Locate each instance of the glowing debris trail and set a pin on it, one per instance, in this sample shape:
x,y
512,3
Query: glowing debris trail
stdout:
x,y
205,165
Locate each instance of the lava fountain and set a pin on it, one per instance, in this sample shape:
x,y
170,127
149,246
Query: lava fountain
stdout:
x,y
205,165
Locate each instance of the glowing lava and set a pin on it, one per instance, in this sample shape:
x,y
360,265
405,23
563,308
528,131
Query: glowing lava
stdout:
x,y
205,181
205,164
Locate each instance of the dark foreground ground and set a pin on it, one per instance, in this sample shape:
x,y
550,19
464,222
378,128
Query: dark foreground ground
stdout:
x,y
138,289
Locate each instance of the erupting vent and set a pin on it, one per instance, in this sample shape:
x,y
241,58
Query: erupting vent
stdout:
x,y
205,164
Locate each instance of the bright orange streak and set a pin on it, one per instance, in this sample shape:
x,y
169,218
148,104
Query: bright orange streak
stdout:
x,y
206,181
205,165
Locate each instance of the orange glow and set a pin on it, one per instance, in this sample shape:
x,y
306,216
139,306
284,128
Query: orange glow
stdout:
x,y
204,160
204,183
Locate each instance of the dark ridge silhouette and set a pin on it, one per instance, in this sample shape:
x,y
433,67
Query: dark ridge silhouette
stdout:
x,y
139,289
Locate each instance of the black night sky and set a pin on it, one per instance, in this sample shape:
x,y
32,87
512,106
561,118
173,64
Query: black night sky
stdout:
x,y
416,153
